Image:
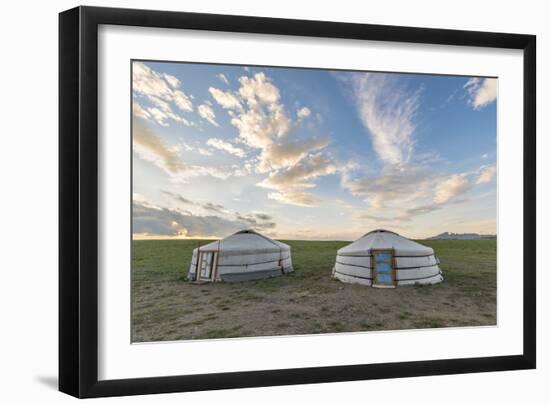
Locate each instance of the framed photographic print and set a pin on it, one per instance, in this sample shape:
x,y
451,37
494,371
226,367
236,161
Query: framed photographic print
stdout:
x,y
251,201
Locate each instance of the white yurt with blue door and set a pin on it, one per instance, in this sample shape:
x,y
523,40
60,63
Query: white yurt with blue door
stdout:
x,y
245,255
384,259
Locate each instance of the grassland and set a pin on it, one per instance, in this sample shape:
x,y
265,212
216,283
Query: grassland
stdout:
x,y
308,301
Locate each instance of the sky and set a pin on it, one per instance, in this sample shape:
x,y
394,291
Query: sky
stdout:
x,y
310,154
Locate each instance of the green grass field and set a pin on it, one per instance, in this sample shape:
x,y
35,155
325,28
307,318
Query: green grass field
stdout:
x,y
308,301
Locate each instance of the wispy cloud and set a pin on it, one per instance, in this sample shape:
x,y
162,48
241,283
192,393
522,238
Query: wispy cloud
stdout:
x,y
206,112
190,148
173,81
257,220
149,147
400,196
287,154
214,207
226,99
296,198
486,174
139,111
407,186
209,206
448,188
173,195
222,77
292,183
392,185
482,92
162,90
148,82
387,110
302,174
221,144
162,112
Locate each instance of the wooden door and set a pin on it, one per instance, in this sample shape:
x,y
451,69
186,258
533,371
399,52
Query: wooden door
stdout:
x,y
206,262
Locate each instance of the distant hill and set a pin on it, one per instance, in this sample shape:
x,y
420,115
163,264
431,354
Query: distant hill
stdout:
x,y
460,236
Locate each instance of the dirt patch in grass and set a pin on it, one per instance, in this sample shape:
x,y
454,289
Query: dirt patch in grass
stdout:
x,y
307,301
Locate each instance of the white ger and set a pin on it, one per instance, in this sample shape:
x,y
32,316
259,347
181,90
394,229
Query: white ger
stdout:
x,y
384,259
243,256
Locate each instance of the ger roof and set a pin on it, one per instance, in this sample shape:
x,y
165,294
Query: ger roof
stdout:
x,y
248,241
385,239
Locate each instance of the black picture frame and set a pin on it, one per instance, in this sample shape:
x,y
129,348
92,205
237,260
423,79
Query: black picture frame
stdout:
x,y
78,200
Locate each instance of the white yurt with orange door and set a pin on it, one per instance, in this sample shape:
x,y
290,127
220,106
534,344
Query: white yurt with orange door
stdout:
x,y
245,255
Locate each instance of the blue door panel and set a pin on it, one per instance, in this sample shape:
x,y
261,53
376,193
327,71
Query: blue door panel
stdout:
x,y
383,267
383,278
382,257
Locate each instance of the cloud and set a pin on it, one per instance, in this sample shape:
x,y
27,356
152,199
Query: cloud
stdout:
x,y
160,221
173,81
206,112
147,82
264,119
259,221
151,220
176,197
257,112
258,90
394,184
161,90
163,112
213,207
387,111
422,209
482,92
296,198
406,215
401,195
255,128
407,185
222,77
226,146
302,174
385,219
450,187
486,174
287,154
182,101
202,151
139,111
206,205
303,113
150,148
291,183
262,216
225,99
485,155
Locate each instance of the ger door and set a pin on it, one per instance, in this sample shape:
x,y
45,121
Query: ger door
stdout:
x,y
383,273
206,266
